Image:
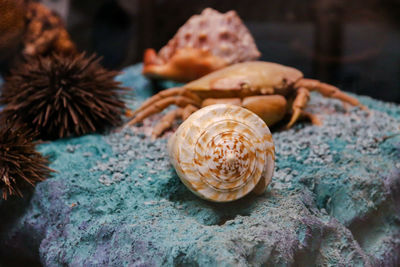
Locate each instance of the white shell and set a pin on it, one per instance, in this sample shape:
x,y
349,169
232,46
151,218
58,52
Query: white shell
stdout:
x,y
222,152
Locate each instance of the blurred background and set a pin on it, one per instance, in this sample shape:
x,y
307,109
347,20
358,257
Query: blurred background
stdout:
x,y
354,45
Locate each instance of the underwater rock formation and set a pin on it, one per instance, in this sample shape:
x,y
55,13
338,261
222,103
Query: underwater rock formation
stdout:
x,y
116,200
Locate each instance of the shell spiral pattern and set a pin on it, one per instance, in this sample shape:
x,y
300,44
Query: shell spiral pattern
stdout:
x,y
223,152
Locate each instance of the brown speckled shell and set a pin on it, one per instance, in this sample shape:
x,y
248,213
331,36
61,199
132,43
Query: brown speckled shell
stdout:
x,y
205,43
224,35
223,152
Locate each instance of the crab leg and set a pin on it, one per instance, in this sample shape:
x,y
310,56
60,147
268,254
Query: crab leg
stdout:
x,y
167,121
314,119
188,110
270,108
158,106
176,91
213,101
327,90
300,102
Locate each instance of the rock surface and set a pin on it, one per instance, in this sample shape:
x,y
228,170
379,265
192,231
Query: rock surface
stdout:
x,y
116,201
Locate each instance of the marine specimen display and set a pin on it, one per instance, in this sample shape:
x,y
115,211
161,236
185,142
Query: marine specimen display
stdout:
x,y
217,190
60,96
223,152
20,164
205,43
268,89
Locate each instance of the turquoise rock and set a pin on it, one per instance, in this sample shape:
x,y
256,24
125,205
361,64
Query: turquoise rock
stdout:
x,y
115,200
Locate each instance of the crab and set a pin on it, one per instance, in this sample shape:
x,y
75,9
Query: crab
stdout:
x,y
268,89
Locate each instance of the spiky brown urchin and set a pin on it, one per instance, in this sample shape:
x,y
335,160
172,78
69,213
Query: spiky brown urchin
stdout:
x,y
20,164
60,96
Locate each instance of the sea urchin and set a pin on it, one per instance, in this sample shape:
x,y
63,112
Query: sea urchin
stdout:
x,y
61,96
20,164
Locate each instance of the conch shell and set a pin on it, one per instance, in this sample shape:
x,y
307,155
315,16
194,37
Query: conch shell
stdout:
x,y
223,152
205,43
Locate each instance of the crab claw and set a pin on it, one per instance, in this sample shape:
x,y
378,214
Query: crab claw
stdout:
x,y
187,64
149,58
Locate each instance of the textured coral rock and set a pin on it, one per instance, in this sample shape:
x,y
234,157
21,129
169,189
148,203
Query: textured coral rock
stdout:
x,y
29,28
116,200
12,26
45,32
205,43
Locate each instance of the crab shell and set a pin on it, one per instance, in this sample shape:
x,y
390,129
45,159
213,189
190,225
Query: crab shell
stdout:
x,y
223,152
237,80
205,43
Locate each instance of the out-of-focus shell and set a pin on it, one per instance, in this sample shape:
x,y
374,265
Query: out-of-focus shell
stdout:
x,y
205,43
223,152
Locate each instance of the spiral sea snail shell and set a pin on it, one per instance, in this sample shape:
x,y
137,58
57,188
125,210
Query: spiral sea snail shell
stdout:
x,y
223,152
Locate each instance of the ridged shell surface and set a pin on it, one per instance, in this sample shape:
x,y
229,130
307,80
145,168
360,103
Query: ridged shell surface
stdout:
x,y
222,152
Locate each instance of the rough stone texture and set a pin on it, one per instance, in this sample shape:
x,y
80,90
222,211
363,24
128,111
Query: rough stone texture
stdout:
x,y
116,201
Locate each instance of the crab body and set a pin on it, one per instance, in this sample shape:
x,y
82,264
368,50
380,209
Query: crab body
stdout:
x,y
268,89
246,79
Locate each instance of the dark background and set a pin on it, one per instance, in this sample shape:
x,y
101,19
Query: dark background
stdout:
x,y
352,44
